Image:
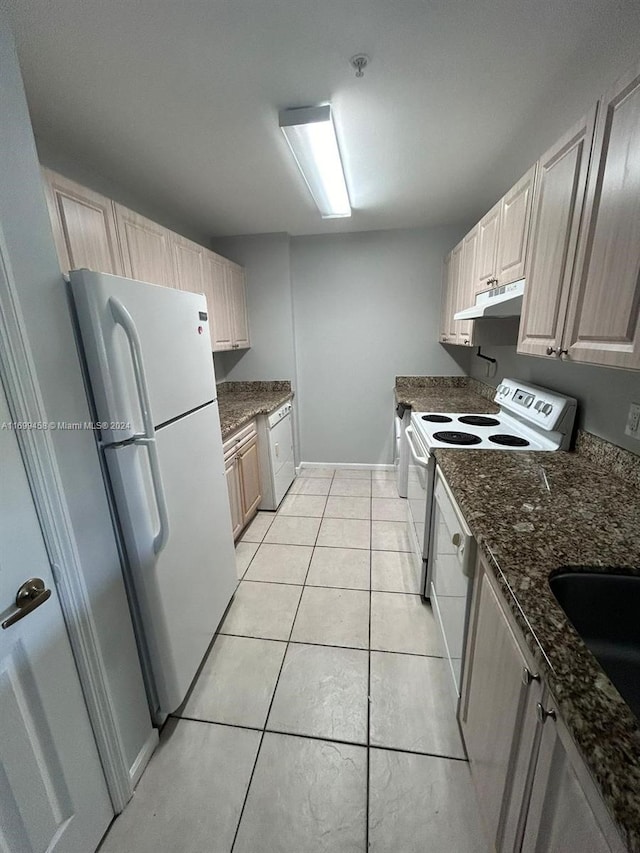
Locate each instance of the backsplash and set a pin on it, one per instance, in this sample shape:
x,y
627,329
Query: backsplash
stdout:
x,y
272,385
620,462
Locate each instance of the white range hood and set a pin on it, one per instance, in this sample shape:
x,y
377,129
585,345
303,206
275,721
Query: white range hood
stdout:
x,y
504,301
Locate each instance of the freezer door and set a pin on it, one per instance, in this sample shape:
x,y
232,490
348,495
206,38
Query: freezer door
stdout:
x,y
119,318
183,591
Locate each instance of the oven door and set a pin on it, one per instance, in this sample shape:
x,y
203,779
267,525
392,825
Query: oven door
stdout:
x,y
419,497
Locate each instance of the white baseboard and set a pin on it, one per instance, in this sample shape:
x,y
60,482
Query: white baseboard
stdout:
x,y
142,758
358,466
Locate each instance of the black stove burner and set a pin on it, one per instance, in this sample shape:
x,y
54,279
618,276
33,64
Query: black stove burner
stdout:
x,y
509,440
457,437
437,419
478,420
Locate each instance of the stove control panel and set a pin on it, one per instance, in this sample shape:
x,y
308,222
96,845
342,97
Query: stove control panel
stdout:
x,y
536,405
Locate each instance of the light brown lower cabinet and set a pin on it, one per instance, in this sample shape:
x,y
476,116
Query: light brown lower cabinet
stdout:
x,y
242,470
534,792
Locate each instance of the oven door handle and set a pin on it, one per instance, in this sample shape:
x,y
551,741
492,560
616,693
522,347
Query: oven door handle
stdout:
x,y
421,460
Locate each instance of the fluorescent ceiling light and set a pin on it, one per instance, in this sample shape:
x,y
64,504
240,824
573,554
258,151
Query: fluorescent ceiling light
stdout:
x,y
312,140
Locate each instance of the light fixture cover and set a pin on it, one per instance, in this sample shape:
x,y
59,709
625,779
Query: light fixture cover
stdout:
x,y
312,140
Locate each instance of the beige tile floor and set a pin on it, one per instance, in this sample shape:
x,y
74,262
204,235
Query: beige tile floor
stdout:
x,y
323,717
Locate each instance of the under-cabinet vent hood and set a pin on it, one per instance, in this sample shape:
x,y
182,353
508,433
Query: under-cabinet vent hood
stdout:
x,y
504,301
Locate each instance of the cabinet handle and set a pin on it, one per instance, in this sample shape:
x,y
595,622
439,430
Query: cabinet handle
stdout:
x,y
542,713
492,282
563,352
456,539
551,350
528,676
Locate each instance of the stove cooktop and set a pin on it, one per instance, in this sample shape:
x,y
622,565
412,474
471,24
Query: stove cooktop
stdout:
x,y
478,432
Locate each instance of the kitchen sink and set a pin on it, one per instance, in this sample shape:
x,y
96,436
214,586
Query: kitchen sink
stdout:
x,y
604,608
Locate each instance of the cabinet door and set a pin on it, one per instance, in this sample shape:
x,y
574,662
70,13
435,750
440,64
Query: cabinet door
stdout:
x,y
218,301
238,303
565,811
250,478
146,248
188,264
558,204
492,704
466,290
604,311
515,218
232,473
487,252
455,270
444,300
84,226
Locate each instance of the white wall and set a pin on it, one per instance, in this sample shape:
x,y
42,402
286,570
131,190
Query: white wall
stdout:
x,y
24,223
366,308
603,394
266,261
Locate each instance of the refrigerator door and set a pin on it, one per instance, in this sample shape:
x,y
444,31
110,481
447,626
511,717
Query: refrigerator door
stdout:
x,y
141,339
183,591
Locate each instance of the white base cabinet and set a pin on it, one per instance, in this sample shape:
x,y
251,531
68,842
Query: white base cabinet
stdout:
x,y
534,791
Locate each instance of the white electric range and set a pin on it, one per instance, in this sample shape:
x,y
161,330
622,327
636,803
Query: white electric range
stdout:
x,y
530,418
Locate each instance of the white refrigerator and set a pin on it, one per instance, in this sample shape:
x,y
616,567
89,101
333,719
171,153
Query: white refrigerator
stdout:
x,y
148,358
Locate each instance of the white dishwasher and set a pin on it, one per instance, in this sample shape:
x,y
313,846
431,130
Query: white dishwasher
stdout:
x,y
277,465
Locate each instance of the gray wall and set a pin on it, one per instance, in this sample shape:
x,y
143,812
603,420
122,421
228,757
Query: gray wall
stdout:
x,y
366,308
266,261
42,299
603,394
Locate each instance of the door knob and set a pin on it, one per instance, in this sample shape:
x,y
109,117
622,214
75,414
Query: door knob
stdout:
x,y
551,350
31,594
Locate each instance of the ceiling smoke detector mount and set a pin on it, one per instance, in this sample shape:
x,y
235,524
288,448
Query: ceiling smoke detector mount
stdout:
x,y
359,62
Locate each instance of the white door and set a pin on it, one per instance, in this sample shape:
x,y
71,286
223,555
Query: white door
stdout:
x,y
53,795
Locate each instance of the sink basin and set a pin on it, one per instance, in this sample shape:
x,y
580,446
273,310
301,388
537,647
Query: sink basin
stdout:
x,y
604,608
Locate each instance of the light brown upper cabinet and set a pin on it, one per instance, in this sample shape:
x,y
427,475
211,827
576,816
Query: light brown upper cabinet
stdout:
x,y
188,258
515,218
466,291
449,306
215,284
487,253
94,232
444,300
603,322
557,208
84,226
503,236
236,294
146,248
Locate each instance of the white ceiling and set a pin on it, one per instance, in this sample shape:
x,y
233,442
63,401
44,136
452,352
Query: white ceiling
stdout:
x,y
178,99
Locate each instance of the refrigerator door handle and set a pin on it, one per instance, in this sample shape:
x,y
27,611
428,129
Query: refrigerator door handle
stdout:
x,y
124,319
161,537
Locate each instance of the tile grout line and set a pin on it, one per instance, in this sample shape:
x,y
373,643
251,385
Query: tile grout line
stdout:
x,y
273,695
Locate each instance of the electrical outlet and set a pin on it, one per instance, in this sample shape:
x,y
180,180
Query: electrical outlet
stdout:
x,y
633,421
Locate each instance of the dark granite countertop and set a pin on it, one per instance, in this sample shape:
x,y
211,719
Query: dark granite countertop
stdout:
x,y
445,394
589,517
240,402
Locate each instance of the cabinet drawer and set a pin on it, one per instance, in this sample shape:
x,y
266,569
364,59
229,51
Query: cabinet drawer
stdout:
x,y
240,437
